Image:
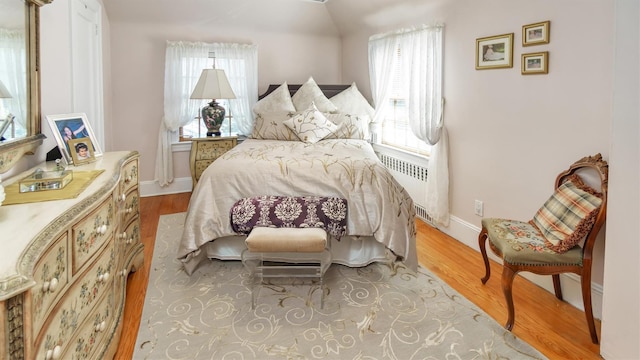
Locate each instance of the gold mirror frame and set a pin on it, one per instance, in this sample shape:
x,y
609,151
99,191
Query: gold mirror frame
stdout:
x,y
12,150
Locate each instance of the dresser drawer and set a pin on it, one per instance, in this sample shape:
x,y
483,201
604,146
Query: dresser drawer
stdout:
x,y
211,150
77,304
130,237
51,274
130,175
92,332
131,206
91,233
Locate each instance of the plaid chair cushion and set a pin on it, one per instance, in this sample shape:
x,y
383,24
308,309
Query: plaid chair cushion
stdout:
x,y
569,214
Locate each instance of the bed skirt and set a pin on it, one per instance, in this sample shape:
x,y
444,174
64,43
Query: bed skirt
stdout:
x,y
352,251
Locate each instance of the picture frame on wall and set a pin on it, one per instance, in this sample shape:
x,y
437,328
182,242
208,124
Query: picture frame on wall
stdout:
x,y
81,150
535,63
66,127
536,34
494,52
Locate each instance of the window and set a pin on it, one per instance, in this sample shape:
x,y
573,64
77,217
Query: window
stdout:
x,y
405,68
183,66
196,128
396,130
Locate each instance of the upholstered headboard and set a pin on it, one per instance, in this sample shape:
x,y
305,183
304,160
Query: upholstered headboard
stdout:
x,y
328,90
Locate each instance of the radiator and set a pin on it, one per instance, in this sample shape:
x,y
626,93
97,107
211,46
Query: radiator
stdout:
x,y
412,176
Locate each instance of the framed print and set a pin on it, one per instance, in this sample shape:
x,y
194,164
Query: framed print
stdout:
x,y
535,63
81,150
535,34
494,52
66,127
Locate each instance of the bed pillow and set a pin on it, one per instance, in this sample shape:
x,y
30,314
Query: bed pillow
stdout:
x,y
270,126
349,126
309,93
351,101
568,215
310,125
278,101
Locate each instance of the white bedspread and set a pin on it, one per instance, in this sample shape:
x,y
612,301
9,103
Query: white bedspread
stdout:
x,y
377,204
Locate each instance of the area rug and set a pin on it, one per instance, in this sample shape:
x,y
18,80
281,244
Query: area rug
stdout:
x,y
381,311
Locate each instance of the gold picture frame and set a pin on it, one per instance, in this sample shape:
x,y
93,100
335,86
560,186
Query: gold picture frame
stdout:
x,y
81,150
536,34
494,52
535,63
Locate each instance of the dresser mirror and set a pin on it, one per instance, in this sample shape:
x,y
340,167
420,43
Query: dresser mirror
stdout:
x,y
19,80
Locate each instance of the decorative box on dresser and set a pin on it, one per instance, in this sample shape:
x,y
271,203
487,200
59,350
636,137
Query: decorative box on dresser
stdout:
x,y
64,265
205,150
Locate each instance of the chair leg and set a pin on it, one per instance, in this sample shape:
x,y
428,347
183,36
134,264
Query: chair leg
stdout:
x,y
482,243
507,284
556,286
588,311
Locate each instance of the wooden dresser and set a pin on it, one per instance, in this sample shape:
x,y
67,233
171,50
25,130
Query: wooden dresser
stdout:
x,y
64,266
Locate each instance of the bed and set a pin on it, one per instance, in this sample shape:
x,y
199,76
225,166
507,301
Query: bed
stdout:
x,y
331,159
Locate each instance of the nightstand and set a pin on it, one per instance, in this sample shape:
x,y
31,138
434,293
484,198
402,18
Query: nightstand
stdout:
x,y
205,150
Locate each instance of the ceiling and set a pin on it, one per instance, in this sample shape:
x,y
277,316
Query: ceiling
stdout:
x,y
332,18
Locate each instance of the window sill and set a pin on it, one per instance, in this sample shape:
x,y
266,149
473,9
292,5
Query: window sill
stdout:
x,y
386,149
181,146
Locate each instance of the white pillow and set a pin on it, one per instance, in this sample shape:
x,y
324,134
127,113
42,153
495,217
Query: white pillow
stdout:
x,y
309,93
351,101
278,101
349,126
310,125
270,126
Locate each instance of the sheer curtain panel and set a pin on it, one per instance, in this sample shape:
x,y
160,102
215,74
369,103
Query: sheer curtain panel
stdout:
x,y
422,50
184,63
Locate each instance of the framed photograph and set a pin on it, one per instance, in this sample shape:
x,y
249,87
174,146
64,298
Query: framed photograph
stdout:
x,y
67,127
81,150
535,63
535,34
494,52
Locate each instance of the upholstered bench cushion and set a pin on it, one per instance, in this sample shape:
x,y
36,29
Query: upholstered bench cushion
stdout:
x,y
522,244
267,239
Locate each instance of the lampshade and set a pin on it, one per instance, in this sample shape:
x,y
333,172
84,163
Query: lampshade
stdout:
x,y
213,84
4,93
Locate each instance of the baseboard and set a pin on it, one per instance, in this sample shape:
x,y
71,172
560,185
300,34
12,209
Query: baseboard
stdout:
x,y
467,234
152,188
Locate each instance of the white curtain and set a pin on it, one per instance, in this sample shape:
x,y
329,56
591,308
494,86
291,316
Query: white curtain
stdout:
x,y
13,74
421,52
184,62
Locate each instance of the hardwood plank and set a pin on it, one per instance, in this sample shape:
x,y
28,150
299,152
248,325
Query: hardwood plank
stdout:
x,y
555,328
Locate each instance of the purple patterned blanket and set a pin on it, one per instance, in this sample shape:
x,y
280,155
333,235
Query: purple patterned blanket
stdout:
x,y
328,213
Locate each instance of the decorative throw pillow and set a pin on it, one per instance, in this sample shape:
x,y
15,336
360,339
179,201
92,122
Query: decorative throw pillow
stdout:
x,y
270,126
310,125
351,101
566,218
349,126
309,93
278,101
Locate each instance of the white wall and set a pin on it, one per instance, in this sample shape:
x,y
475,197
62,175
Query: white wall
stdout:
x,y
510,135
621,305
138,52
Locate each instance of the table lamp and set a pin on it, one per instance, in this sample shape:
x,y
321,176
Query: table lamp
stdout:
x,y
213,84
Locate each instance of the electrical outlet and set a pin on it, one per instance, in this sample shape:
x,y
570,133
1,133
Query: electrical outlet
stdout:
x,y
479,208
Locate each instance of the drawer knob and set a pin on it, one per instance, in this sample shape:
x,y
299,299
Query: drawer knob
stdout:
x,y
102,229
53,284
123,235
103,277
50,286
101,326
53,354
123,197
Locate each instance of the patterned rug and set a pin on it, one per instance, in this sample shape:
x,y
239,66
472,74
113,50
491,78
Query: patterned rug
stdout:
x,y
381,311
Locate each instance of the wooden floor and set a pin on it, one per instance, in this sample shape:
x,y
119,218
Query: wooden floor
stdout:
x,y
555,328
